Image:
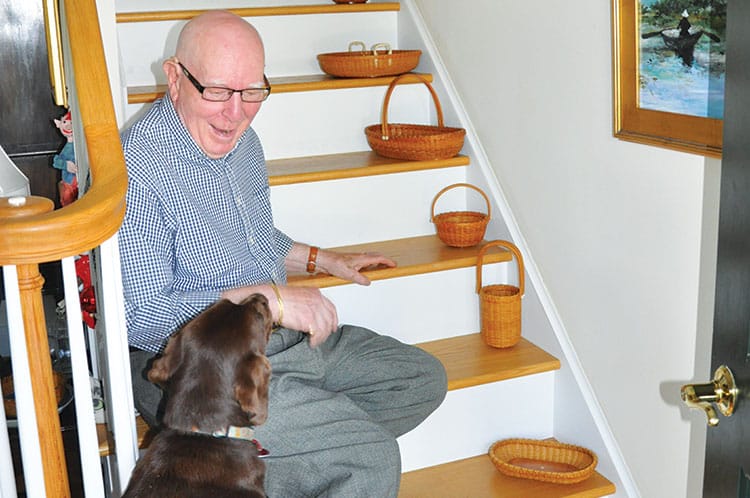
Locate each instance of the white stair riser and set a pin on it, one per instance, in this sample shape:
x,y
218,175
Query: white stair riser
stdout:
x,y
470,420
292,43
415,309
358,210
328,122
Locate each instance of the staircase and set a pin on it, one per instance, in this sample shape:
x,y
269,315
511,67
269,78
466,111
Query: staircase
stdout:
x,y
329,189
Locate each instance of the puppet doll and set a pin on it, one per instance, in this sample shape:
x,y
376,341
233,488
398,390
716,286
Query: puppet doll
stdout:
x,y
65,161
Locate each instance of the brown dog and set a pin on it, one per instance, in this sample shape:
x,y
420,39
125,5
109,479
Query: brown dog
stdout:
x,y
215,375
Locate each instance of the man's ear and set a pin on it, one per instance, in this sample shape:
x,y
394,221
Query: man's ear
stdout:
x,y
172,70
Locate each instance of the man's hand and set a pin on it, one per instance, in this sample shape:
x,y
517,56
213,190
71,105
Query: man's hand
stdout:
x,y
306,309
298,308
349,265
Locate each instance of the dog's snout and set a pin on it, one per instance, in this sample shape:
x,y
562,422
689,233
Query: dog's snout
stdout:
x,y
256,299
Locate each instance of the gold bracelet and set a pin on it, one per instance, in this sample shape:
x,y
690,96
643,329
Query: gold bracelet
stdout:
x,y
279,302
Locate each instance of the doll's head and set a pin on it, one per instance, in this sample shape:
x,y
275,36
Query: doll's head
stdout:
x,y
65,125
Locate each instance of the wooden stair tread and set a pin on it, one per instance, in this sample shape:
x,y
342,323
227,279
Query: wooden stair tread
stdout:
x,y
105,440
470,362
467,360
478,477
414,256
281,10
284,84
348,165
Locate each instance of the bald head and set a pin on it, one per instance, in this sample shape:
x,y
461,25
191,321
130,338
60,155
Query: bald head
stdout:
x,y
219,35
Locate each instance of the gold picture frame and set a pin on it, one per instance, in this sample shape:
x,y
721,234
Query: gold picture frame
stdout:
x,y
672,130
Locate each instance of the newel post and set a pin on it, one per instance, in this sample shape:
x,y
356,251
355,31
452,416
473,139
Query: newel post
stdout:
x,y
30,283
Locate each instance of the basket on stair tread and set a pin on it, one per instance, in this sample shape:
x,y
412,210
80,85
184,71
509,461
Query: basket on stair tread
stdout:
x,y
543,460
500,304
460,228
380,60
414,142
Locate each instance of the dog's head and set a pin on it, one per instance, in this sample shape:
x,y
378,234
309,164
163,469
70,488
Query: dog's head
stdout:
x,y
214,370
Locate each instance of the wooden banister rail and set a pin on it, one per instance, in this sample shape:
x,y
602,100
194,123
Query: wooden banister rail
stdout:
x,y
29,236
97,215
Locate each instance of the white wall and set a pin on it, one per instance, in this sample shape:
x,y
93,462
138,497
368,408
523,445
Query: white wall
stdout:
x,y
618,230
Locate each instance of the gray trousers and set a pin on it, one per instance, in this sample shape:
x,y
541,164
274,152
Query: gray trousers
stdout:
x,y
335,411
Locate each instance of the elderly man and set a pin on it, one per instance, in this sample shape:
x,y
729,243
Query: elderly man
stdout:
x,y
199,227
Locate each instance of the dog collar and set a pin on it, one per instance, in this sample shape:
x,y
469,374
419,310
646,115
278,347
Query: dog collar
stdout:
x,y
234,432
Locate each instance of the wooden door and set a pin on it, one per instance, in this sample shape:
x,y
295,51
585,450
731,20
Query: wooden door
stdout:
x,y
728,444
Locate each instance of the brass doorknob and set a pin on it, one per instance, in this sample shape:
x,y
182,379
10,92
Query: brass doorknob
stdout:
x,y
722,392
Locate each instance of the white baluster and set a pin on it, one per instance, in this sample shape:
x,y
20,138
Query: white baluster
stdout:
x,y
27,427
93,484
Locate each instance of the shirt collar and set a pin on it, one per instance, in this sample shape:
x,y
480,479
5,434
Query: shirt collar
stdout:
x,y
183,136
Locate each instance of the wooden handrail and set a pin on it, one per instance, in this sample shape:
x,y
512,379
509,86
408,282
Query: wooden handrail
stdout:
x,y
97,215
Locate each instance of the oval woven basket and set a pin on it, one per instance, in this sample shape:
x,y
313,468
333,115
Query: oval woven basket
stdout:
x,y
460,228
380,60
548,461
411,141
500,304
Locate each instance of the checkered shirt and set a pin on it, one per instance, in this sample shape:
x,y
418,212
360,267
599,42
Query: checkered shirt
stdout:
x,y
194,226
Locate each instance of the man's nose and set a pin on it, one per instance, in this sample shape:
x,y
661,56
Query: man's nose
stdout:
x,y
233,107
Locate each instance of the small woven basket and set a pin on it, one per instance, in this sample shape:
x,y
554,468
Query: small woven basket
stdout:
x,y
460,228
380,60
411,141
548,461
500,304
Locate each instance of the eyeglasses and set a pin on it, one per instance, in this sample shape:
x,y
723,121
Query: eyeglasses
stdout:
x,y
222,94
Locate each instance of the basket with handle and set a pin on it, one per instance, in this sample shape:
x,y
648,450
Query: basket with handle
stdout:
x,y
380,60
413,141
460,228
500,304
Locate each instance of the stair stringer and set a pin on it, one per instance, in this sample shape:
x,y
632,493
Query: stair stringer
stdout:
x,y
575,403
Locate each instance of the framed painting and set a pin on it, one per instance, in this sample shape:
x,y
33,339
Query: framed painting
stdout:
x,y
668,73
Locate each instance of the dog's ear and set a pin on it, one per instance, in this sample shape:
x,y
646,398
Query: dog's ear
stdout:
x,y
251,386
163,367
261,323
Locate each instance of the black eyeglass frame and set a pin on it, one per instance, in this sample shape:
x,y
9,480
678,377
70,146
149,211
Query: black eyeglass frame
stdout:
x,y
201,89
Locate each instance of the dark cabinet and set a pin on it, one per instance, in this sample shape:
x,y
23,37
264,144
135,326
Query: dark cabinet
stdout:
x,y
27,130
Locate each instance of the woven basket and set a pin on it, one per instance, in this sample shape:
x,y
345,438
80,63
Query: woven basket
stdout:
x,y
380,60
500,304
411,141
460,228
548,461
9,398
